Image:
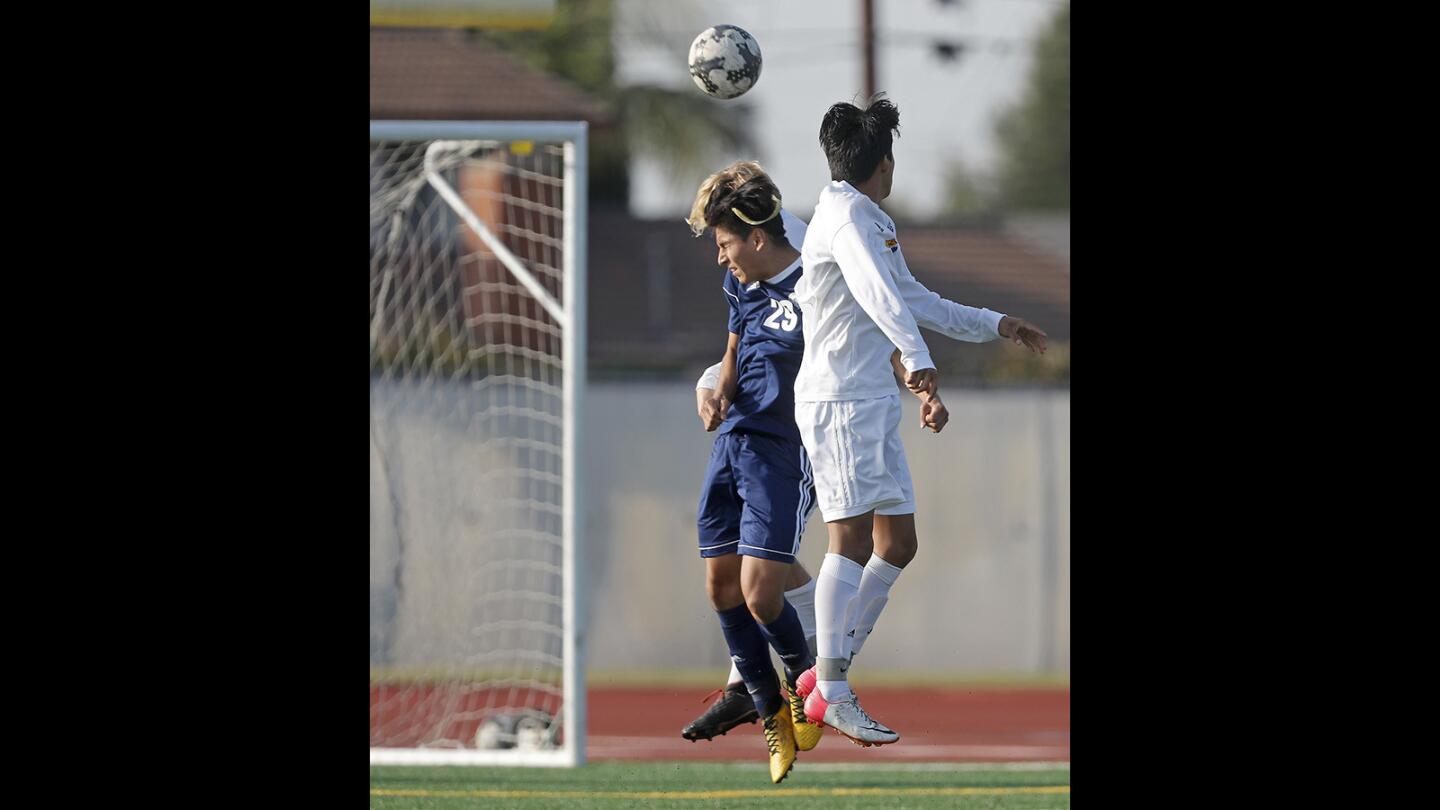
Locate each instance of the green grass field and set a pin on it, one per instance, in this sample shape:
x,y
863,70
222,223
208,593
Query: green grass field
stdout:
x,y
693,785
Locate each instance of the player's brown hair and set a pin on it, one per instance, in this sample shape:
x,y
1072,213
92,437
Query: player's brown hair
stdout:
x,y
726,180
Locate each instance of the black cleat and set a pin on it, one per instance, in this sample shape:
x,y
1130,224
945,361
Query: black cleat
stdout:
x,y
733,708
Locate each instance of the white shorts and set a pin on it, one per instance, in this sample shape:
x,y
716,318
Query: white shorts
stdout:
x,y
856,455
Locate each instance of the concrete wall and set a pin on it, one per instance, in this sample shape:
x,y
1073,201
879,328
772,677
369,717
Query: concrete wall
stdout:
x,y
989,591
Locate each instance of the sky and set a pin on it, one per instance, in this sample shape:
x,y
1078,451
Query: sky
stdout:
x,y
812,59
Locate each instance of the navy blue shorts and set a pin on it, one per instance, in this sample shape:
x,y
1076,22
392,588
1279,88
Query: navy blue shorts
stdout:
x,y
757,495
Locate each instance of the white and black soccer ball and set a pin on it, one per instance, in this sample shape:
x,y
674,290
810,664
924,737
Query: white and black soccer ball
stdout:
x,y
725,61
496,732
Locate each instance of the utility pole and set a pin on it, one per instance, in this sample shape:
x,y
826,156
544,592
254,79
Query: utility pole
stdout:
x,y
867,46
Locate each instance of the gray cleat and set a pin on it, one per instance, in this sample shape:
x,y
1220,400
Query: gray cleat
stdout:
x,y
849,719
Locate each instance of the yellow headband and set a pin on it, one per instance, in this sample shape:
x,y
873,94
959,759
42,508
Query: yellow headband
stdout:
x,y
749,221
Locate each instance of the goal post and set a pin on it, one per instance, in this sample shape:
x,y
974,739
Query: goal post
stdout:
x,y
477,373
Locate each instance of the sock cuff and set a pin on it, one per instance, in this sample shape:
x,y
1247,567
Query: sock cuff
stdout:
x,y
882,569
831,669
737,616
788,613
842,568
797,593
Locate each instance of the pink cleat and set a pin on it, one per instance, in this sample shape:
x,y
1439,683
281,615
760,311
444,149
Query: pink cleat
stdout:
x,y
805,683
815,704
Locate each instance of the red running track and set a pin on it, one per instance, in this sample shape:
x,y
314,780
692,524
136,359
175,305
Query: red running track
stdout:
x,y
935,725
643,723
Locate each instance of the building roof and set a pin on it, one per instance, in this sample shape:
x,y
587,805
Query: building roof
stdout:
x,y
451,74
1047,231
656,304
990,268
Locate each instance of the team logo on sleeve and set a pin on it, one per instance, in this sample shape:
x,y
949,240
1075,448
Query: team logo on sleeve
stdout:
x,y
890,242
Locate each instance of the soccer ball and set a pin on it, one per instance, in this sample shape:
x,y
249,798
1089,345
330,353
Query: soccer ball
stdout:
x,y
530,730
725,61
496,732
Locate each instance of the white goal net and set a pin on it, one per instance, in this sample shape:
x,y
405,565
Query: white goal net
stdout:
x,y
476,366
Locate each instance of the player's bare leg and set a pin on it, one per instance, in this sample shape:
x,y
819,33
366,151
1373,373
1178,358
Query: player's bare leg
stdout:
x,y
895,539
722,581
831,702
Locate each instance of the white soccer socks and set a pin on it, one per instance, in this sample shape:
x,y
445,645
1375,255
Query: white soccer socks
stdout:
x,y
803,598
874,594
837,586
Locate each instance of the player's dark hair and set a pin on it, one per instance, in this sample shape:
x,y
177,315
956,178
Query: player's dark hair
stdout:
x,y
856,140
756,200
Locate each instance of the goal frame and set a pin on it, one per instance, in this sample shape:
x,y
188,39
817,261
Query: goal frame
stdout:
x,y
572,320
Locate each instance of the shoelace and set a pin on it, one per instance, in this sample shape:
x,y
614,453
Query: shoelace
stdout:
x,y
864,715
797,708
720,691
772,734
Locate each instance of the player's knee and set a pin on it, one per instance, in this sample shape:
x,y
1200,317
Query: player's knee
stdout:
x,y
723,589
764,605
851,538
856,547
764,590
897,544
901,553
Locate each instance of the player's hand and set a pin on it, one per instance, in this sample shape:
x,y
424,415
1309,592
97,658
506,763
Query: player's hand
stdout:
x,y
713,412
1023,333
710,414
933,414
922,380
702,395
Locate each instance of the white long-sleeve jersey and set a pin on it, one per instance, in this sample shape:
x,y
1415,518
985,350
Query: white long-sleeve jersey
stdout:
x,y
861,303
709,378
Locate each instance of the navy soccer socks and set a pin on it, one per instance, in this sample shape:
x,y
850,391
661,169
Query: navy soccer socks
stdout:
x,y
787,635
751,654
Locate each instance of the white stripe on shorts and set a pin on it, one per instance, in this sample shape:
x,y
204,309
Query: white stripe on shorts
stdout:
x,y
802,508
837,429
767,550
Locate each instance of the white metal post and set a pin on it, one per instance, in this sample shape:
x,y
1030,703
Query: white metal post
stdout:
x,y
573,352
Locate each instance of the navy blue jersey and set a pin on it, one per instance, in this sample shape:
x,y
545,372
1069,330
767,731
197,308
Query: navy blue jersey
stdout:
x,y
771,347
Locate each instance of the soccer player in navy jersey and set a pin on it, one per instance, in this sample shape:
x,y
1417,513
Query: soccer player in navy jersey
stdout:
x,y
758,492
734,706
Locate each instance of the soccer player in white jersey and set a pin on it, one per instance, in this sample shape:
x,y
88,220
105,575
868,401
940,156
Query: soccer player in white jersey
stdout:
x,y
861,304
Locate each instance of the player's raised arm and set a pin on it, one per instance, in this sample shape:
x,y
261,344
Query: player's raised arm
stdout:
x,y
972,324
961,322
